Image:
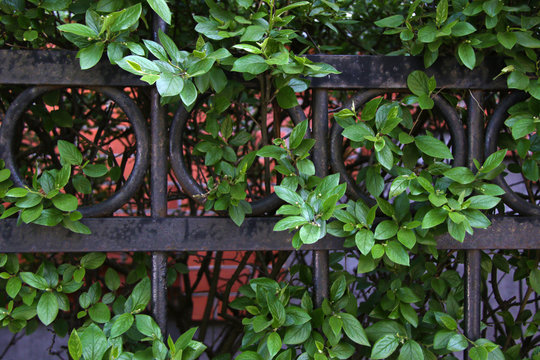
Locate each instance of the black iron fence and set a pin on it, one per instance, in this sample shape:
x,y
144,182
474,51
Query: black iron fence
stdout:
x,y
368,75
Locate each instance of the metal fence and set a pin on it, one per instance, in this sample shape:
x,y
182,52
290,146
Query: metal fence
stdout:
x,y
368,75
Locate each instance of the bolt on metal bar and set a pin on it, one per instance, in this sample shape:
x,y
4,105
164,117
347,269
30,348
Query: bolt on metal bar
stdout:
x,y
321,162
158,188
475,129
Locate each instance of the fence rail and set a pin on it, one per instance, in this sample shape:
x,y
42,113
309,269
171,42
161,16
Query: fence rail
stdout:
x,y
160,234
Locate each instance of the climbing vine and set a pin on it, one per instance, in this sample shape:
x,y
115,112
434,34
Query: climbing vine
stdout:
x,y
239,69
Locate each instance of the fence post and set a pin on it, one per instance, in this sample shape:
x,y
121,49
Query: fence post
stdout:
x,y
473,283
320,160
158,190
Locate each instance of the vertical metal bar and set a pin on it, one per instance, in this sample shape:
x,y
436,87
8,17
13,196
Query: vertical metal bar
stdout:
x,y
321,162
158,198
475,132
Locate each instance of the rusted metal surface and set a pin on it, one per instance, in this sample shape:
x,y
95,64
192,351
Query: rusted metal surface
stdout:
x,y
59,67
390,72
473,258
321,161
158,188
216,233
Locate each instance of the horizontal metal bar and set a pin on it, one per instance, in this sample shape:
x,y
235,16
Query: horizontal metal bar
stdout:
x,y
59,67
505,232
214,233
390,72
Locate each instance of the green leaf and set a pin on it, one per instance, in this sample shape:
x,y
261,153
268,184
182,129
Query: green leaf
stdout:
x,y
169,84
29,201
290,222
251,64
457,342
286,98
441,13
75,345
463,28
188,93
99,313
13,286
160,7
121,324
461,175
384,347
17,192
310,233
34,280
518,80
353,329
478,353
96,170
409,314
237,214
411,350
386,229
78,29
390,21
525,39
407,237
82,184
126,18
493,161
534,280
47,308
483,202
93,260
75,226
253,33
288,196
492,7
418,83
297,134
31,214
90,55
466,55
446,320
218,80
140,296
147,326
271,151
297,334
273,343
434,217
433,147
291,6
396,253
364,241
69,154
385,157
529,170
65,202
112,280
169,45
507,39
440,341
358,131
94,343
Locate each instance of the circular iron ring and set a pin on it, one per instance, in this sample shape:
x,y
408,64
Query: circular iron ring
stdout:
x,y
492,135
135,117
457,134
185,178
